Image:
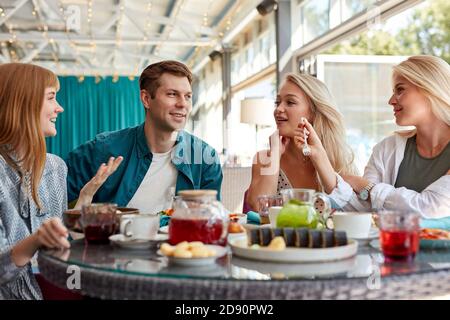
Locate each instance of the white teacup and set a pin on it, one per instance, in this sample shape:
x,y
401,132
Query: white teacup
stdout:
x,y
273,214
355,224
140,226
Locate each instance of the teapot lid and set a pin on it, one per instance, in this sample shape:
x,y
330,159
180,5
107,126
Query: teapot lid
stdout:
x,y
197,193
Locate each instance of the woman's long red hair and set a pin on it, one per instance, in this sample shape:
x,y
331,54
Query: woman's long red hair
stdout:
x,y
22,141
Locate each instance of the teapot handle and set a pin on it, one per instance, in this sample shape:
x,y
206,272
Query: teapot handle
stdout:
x,y
179,203
322,204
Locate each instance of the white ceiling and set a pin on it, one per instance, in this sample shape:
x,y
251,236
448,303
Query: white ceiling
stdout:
x,y
113,37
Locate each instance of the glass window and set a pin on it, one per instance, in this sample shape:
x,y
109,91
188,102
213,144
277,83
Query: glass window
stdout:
x,y
358,70
361,92
249,55
353,7
257,53
243,67
264,50
234,68
273,47
315,19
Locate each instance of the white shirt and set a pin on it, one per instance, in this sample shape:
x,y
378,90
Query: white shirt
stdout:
x,y
382,169
156,191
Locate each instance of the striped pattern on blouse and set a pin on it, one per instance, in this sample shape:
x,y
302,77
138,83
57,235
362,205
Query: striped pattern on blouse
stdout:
x,y
15,223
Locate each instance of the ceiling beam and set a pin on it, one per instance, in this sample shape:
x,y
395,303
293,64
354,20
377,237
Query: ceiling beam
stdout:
x,y
88,71
171,12
50,10
5,53
109,24
186,31
133,22
108,59
26,25
143,56
168,21
16,6
218,22
33,53
62,38
87,50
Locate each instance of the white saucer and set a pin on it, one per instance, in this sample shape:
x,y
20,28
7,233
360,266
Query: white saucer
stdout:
x,y
164,229
130,243
373,235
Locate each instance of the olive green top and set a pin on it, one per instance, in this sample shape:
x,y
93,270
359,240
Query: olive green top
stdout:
x,y
416,172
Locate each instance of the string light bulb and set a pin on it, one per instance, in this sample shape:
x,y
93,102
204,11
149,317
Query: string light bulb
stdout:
x,y
228,24
148,24
64,16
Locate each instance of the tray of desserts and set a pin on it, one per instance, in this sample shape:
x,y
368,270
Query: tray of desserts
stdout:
x,y
294,245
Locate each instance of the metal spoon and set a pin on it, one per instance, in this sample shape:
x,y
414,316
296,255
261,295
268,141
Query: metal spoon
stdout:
x,y
306,149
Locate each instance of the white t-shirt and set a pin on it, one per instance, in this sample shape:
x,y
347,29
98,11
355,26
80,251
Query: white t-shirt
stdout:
x,y
156,191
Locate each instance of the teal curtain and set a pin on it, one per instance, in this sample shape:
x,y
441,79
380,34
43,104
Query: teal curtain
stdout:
x,y
91,108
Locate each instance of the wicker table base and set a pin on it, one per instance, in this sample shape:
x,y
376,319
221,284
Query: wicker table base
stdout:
x,y
112,285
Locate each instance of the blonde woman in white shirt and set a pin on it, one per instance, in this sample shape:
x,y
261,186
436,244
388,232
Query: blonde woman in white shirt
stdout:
x,y
410,170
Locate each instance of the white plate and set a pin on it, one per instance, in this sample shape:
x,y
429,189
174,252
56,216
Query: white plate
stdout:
x,y
240,235
279,270
250,226
130,243
164,229
240,248
190,262
373,235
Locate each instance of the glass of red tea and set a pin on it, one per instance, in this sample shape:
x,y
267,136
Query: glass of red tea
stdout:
x,y
399,234
99,221
265,202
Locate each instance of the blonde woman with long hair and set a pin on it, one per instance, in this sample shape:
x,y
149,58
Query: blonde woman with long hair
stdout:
x,y
33,191
410,170
304,107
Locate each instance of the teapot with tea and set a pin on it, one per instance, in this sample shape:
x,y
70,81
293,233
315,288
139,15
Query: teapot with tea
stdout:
x,y
198,216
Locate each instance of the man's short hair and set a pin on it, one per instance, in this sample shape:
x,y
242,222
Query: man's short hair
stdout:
x,y
149,79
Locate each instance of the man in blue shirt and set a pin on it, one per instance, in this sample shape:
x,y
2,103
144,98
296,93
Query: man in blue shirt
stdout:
x,y
159,157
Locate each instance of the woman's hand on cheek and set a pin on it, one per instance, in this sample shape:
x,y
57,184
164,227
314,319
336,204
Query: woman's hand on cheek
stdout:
x,y
278,144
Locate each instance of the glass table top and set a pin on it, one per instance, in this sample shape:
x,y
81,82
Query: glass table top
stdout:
x,y
368,261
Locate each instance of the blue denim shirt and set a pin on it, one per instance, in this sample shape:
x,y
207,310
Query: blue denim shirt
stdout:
x,y
197,163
